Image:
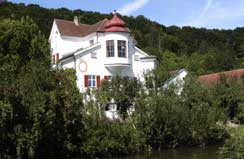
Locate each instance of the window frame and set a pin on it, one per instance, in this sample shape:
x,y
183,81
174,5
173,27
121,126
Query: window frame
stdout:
x,y
91,42
92,81
56,58
110,78
136,57
110,51
94,55
122,53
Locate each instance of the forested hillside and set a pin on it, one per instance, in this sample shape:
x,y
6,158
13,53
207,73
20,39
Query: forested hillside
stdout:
x,y
199,50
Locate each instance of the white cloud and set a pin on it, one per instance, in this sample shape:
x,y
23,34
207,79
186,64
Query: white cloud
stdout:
x,y
130,7
197,21
206,8
218,13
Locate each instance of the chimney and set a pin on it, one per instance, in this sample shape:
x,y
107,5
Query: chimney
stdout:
x,y
76,20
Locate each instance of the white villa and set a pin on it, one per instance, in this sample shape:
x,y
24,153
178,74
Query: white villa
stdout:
x,y
98,52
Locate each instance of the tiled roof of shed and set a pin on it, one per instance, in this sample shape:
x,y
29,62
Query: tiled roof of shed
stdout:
x,y
215,77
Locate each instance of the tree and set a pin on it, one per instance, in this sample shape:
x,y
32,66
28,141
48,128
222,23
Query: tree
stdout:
x,y
21,65
122,90
41,110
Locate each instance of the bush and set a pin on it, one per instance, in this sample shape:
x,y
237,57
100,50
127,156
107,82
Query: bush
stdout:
x,y
111,139
106,138
234,146
170,120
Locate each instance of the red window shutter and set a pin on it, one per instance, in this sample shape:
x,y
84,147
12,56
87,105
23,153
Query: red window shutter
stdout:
x,y
86,80
57,58
105,78
98,81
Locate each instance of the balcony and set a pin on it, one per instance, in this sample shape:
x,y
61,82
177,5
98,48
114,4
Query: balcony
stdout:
x,y
116,64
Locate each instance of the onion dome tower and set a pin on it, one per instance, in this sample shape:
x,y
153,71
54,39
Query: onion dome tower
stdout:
x,y
116,25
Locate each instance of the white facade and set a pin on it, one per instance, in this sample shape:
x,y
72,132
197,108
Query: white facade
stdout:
x,y
88,55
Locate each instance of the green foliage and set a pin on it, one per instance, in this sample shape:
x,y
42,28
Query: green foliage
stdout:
x,y
169,120
231,98
122,90
106,138
41,111
203,113
233,147
20,87
62,122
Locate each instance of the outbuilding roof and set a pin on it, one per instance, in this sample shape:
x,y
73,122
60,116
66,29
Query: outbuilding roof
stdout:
x,y
214,78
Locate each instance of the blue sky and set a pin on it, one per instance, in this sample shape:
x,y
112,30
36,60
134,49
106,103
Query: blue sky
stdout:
x,y
222,14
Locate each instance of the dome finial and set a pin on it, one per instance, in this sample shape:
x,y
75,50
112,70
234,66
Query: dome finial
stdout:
x,y
116,24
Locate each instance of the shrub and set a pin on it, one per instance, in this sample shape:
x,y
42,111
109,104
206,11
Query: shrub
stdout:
x,y
234,146
170,120
106,138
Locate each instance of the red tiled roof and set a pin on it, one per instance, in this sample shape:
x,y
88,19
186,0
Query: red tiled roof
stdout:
x,y
115,21
214,78
116,25
69,28
117,29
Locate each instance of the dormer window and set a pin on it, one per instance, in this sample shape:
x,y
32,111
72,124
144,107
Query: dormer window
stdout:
x,y
91,42
121,48
110,48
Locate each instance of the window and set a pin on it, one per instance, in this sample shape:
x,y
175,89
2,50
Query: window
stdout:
x,y
108,78
53,59
137,57
94,55
121,48
91,42
91,81
110,48
57,58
